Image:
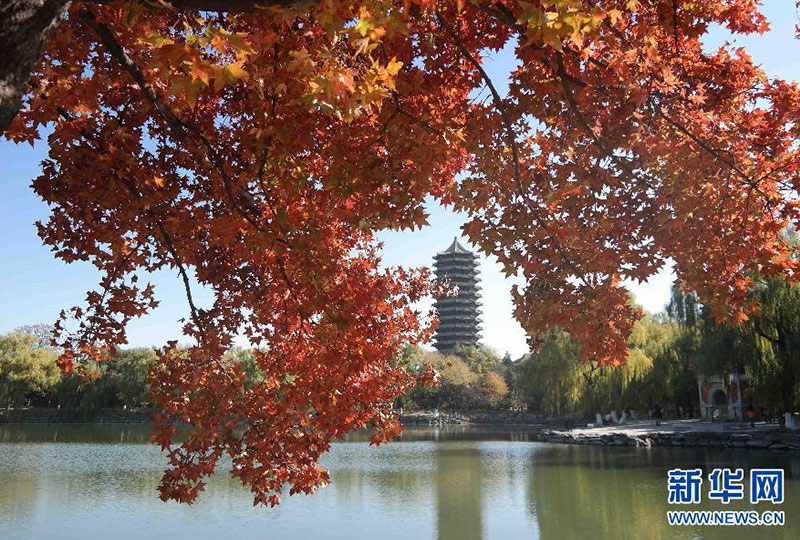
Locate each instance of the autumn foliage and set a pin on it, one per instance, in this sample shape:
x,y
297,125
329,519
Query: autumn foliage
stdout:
x,y
258,152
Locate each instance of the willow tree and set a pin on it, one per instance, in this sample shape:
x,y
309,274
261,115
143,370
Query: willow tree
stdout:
x,y
764,348
258,147
778,323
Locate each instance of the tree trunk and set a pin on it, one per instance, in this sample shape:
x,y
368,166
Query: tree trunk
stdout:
x,y
24,28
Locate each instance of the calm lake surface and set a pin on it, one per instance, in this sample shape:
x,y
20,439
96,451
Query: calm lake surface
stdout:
x,y
99,482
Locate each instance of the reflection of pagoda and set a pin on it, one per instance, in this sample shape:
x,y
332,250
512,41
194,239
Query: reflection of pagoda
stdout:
x,y
459,316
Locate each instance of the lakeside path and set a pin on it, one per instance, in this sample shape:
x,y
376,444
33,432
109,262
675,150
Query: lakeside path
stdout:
x,y
681,433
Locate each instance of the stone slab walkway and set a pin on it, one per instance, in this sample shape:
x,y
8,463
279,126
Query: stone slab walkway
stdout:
x,y
688,433
642,427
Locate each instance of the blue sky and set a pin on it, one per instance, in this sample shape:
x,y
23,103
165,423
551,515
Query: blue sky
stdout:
x,y
34,286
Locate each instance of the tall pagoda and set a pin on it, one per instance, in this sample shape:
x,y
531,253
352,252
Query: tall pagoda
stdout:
x,y
459,316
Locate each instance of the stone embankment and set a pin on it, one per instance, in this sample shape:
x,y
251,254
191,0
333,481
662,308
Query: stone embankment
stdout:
x,y
779,440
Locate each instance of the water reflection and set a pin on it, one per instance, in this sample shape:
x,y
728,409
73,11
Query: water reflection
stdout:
x,y
458,492
88,481
592,492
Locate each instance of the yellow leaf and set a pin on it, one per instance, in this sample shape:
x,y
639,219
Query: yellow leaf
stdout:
x,y
239,41
363,27
188,88
236,70
393,67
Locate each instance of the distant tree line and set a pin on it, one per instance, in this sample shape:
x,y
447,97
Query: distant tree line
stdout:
x,y
469,378
29,376
668,352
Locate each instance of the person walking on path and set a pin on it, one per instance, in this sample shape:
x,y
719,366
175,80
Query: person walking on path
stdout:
x,y
751,415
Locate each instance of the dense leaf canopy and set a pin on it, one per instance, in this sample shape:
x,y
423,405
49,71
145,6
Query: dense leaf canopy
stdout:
x,y
259,152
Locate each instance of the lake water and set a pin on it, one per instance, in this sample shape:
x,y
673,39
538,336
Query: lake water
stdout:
x,y
99,482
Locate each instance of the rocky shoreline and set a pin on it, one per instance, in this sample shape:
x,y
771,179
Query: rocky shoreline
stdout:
x,y
498,418
542,428
56,416
777,440
418,418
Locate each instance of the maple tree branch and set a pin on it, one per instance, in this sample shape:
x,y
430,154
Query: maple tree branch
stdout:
x,y
700,142
423,123
782,183
184,276
176,124
675,25
498,101
384,129
504,15
281,265
116,51
511,141
168,241
754,185
170,244
194,312
181,128
584,124
279,259
716,154
27,25
222,6
573,105
106,283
